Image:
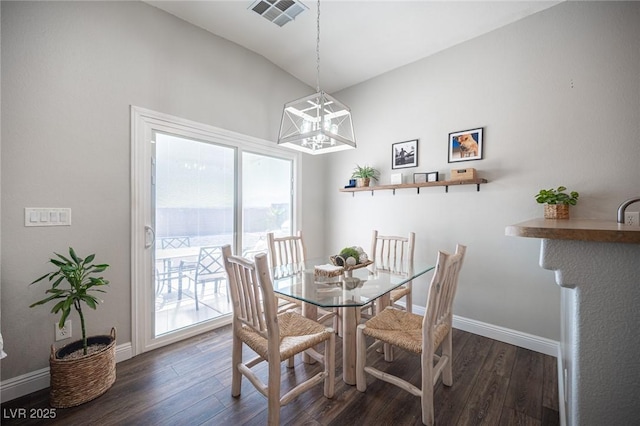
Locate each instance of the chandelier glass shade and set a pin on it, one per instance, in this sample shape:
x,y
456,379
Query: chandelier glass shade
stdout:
x,y
318,123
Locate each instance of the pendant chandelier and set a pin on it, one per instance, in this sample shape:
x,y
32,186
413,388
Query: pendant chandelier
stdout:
x,y
318,123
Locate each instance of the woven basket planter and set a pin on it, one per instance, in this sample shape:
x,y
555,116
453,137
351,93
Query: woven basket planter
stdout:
x,y
556,211
79,380
363,182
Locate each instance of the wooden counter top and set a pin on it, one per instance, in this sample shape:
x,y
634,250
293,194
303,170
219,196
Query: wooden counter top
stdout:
x,y
604,231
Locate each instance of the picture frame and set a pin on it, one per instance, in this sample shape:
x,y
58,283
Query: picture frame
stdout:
x,y
404,154
419,177
466,145
432,177
396,178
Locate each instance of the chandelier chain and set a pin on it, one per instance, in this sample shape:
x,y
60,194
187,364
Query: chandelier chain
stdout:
x,y
318,50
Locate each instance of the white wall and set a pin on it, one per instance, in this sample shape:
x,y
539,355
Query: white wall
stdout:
x,y
70,71
558,95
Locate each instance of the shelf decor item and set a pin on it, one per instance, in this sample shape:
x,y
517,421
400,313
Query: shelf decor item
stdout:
x,y
464,174
364,174
420,177
404,154
556,202
465,145
84,369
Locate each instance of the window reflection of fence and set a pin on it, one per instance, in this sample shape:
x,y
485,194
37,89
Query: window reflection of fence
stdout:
x,y
213,221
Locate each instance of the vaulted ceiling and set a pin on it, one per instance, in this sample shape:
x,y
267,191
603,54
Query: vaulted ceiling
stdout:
x,y
358,39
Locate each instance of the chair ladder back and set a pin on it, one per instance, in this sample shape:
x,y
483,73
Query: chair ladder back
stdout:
x,y
269,303
210,261
245,291
175,242
391,253
285,250
442,291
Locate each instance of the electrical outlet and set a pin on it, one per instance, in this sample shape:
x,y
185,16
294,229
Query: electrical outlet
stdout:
x,y
64,332
632,218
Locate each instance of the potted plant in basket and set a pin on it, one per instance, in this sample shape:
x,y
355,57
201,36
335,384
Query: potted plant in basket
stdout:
x,y
84,369
364,174
557,202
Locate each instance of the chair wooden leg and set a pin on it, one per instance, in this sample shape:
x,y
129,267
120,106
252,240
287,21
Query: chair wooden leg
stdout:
x,y
273,393
409,302
291,362
447,350
427,406
330,366
236,358
361,360
427,389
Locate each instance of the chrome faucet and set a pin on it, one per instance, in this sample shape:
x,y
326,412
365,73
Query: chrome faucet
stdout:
x,y
623,207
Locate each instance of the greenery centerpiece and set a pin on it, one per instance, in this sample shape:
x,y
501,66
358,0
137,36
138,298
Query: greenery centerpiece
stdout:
x,y
84,369
557,202
364,174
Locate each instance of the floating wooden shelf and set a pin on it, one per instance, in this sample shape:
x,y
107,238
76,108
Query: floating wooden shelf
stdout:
x,y
445,183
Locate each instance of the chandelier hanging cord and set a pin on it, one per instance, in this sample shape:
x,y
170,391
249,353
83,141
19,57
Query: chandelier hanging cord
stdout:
x,y
318,50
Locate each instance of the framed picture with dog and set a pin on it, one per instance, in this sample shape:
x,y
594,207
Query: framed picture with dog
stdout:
x,y
404,154
465,145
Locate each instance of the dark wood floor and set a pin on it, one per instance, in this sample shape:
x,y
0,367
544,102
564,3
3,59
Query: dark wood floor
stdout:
x,y
188,383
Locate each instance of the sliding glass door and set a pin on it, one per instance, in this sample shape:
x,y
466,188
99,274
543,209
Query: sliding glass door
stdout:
x,y
267,194
194,216
194,189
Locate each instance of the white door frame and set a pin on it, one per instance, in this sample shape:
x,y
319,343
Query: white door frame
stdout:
x,y
143,124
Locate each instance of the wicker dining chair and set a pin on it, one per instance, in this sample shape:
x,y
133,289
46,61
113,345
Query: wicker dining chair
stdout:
x,y
421,335
274,337
395,255
286,251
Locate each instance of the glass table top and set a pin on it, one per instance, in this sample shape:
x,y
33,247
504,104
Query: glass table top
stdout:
x,y
308,281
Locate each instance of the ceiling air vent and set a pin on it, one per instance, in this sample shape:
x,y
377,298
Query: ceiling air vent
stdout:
x,y
278,11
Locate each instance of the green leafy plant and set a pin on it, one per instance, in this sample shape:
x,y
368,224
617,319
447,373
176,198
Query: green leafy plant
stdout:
x,y
557,196
76,272
350,252
364,172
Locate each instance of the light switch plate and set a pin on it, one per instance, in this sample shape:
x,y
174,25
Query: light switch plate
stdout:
x,y
47,216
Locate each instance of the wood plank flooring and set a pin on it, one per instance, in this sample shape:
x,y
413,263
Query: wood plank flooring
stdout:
x,y
188,383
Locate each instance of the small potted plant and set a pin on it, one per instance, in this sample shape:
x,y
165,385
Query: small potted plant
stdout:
x,y
84,369
556,202
364,174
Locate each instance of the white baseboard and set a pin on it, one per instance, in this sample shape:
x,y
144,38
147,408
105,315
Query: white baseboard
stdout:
x,y
502,334
36,380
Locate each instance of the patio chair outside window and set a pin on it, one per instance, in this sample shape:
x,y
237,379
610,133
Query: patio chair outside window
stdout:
x,y
210,267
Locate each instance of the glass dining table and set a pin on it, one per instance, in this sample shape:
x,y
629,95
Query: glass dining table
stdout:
x,y
318,284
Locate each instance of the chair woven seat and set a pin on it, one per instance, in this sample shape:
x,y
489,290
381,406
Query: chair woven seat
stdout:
x,y
427,336
273,336
400,292
297,334
402,329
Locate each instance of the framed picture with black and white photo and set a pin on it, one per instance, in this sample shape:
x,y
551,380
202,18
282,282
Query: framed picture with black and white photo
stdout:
x,y
404,154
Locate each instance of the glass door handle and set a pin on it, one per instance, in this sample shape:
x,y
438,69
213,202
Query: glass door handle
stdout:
x,y
149,237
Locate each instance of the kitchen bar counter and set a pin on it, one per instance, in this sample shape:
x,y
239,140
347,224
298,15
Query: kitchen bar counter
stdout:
x,y
597,266
602,231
